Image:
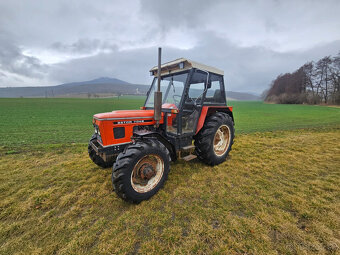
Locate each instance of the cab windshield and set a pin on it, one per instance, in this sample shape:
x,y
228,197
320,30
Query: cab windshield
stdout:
x,y
171,88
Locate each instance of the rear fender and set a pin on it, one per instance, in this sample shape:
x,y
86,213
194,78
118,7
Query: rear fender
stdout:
x,y
209,110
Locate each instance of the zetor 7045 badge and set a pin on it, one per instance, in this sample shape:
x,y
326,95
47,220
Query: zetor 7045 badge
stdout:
x,y
129,121
185,112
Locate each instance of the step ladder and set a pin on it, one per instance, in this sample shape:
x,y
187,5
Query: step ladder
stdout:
x,y
189,149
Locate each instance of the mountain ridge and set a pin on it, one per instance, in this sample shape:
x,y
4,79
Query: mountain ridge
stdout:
x,y
99,87
100,80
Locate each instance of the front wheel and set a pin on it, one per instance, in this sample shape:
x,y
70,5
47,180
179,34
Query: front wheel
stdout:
x,y
214,140
141,170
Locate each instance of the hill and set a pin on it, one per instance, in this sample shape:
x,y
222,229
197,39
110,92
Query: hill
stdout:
x,y
101,80
242,96
100,87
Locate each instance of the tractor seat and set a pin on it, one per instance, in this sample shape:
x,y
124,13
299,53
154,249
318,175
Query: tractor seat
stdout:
x,y
218,96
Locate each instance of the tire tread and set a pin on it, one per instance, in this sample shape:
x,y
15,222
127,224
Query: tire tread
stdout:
x,y
122,168
204,138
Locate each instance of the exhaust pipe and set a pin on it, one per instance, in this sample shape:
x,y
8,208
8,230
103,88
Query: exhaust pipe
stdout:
x,y
158,94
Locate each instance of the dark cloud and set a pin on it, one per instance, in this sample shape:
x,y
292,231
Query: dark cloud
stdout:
x,y
246,68
83,46
50,42
14,61
170,14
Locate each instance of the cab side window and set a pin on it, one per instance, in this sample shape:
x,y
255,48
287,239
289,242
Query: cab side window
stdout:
x,y
197,85
215,93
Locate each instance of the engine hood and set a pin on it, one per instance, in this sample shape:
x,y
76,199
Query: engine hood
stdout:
x,y
130,114
125,114
117,127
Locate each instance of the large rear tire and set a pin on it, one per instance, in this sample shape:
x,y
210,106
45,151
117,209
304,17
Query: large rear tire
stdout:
x,y
214,141
96,158
141,170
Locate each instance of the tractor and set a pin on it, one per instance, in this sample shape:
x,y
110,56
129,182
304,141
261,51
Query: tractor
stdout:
x,y
185,111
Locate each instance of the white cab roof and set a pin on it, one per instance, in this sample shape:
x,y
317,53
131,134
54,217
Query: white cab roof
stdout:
x,y
174,66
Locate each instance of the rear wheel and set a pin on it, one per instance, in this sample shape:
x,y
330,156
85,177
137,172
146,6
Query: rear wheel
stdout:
x,y
141,170
214,141
99,161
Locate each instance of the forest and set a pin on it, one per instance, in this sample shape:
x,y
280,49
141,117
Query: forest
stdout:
x,y
313,83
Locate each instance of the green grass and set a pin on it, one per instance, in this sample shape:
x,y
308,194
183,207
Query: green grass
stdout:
x,y
28,121
32,121
258,116
278,193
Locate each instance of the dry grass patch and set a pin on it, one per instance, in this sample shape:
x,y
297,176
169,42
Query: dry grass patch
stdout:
x,y
278,193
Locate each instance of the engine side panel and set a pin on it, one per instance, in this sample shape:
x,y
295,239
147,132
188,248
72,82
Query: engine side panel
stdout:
x,y
123,127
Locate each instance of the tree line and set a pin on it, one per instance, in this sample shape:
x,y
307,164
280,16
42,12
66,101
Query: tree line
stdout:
x,y
313,83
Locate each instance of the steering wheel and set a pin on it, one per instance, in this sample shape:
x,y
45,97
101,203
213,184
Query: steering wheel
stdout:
x,y
177,102
194,103
198,99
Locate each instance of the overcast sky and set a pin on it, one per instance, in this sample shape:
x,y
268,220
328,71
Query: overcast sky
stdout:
x,y
52,42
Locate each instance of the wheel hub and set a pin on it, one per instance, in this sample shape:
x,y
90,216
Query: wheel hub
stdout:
x,y
147,173
221,140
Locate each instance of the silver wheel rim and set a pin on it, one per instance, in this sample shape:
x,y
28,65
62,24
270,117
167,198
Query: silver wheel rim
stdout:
x,y
147,173
221,140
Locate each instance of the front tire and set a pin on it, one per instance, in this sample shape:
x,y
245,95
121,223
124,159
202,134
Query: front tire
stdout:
x,y
213,142
141,170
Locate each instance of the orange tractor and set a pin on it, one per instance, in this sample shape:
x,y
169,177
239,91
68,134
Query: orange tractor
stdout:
x,y
186,102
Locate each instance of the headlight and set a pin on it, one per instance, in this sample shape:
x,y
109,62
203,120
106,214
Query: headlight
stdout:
x,y
96,130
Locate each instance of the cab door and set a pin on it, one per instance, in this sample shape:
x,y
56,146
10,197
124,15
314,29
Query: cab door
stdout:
x,y
192,101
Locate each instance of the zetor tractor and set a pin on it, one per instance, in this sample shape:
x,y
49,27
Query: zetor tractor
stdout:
x,y
186,102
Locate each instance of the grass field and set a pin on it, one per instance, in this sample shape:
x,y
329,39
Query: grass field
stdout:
x,y
27,121
278,192
34,121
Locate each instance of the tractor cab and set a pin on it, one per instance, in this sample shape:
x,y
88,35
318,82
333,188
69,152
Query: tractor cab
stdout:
x,y
188,88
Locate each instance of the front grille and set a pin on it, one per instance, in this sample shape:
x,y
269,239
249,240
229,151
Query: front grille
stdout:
x,y
119,132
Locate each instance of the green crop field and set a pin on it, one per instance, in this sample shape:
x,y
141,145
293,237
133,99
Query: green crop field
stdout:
x,y
277,193
44,121
31,121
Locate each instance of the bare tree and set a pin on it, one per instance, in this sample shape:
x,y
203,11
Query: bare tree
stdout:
x,y
323,68
308,69
311,83
335,79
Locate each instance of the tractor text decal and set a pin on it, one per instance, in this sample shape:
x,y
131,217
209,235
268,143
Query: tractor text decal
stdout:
x,y
130,121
